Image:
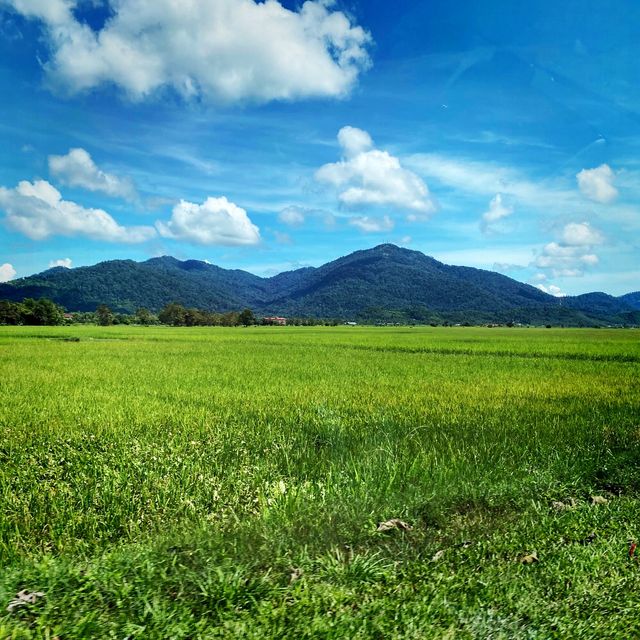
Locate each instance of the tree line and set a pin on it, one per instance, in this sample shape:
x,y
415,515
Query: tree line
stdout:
x,y
31,312
43,312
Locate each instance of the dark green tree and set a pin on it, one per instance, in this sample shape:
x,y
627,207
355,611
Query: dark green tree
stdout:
x,y
247,318
143,316
10,312
194,318
229,319
104,316
173,314
41,312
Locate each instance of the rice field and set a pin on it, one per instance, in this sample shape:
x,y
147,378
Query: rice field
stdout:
x,y
229,483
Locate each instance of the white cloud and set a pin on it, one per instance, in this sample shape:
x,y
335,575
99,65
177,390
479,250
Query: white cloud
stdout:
x,y
485,178
296,215
77,169
7,272
573,254
293,216
590,259
497,211
37,210
581,234
51,11
354,141
469,175
63,262
556,250
549,196
226,50
372,225
551,289
368,176
597,184
538,277
214,222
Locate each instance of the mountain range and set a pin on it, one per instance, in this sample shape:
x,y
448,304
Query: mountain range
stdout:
x,y
386,283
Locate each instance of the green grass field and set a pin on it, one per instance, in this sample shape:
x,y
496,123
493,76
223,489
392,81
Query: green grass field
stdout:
x,y
227,483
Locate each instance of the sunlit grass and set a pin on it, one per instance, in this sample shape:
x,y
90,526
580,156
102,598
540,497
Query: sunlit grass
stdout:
x,y
160,482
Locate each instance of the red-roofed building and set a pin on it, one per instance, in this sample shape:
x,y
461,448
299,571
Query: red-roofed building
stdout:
x,y
275,320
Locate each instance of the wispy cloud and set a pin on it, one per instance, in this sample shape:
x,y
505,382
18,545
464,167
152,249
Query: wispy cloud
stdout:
x,y
484,178
292,216
549,198
487,257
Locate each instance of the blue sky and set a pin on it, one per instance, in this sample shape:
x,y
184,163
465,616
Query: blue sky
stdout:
x,y
499,134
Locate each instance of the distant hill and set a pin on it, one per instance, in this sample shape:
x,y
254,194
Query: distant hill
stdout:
x,y
632,299
390,278
386,283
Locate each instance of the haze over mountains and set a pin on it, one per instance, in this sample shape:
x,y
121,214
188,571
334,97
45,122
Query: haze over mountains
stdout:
x,y
385,283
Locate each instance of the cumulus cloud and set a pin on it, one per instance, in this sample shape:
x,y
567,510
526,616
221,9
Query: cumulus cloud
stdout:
x,y
581,234
366,176
77,169
37,210
293,216
368,224
551,289
497,211
570,256
7,272
597,184
214,222
63,262
354,141
225,50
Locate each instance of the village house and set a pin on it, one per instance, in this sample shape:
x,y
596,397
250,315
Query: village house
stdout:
x,y
275,320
